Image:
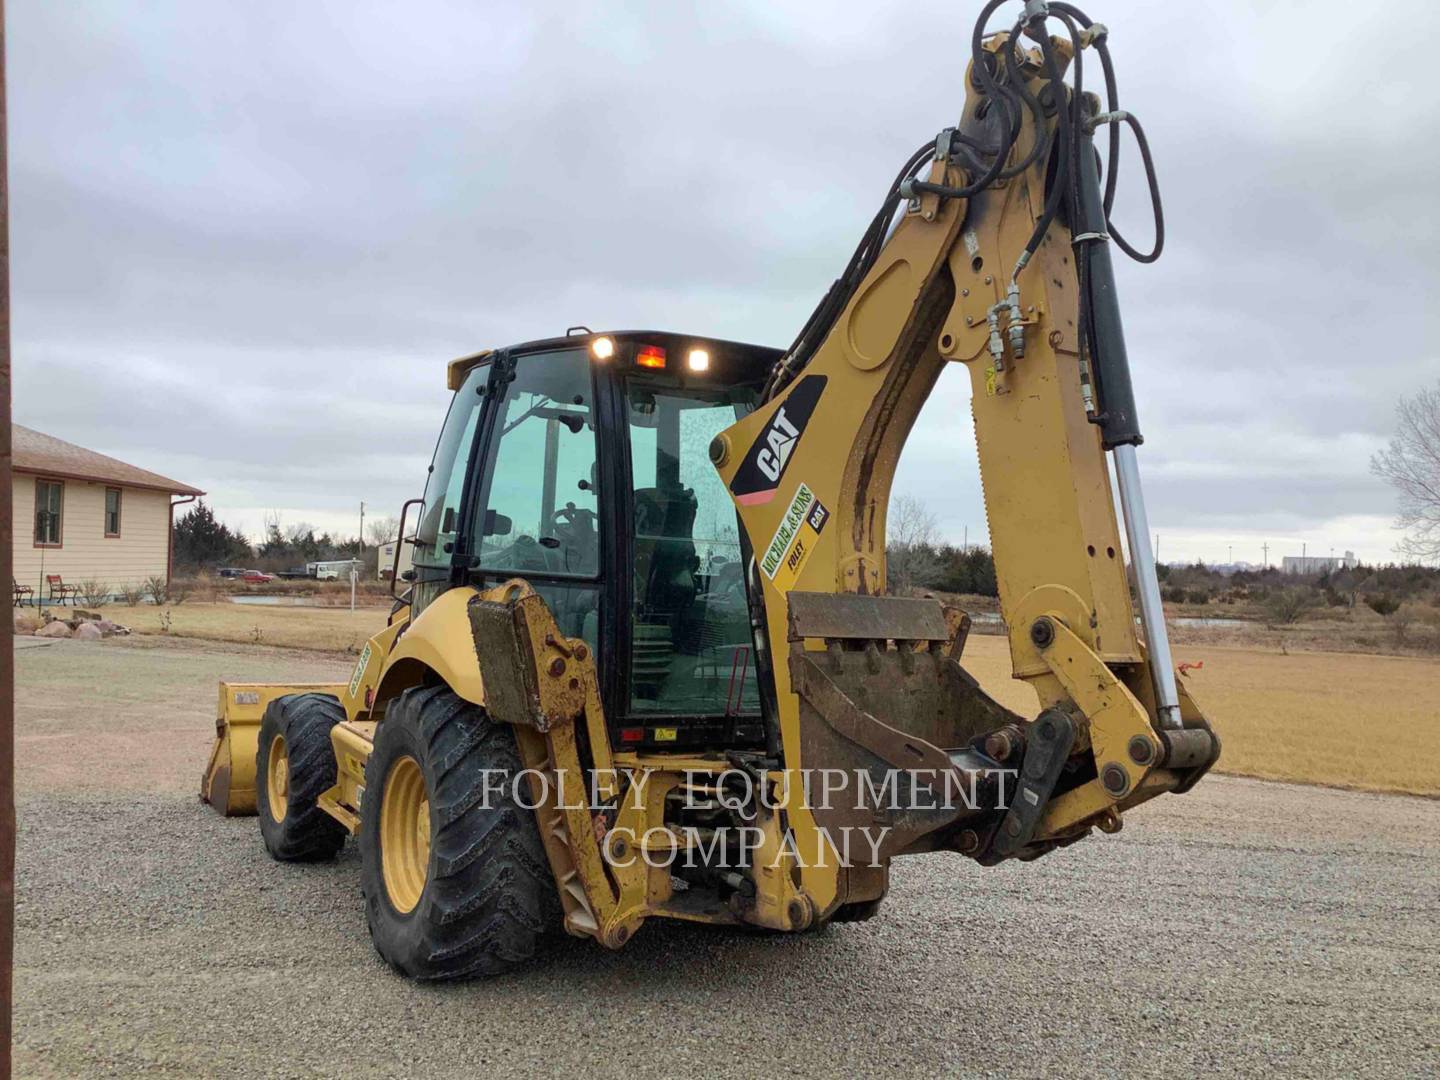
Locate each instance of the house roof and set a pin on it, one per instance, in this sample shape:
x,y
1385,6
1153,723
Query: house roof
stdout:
x,y
37,452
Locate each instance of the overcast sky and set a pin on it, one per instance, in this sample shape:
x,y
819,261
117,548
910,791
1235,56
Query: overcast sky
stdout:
x,y
247,236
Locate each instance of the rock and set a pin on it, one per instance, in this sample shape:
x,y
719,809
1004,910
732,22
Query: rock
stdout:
x,y
88,631
110,629
26,622
55,629
82,614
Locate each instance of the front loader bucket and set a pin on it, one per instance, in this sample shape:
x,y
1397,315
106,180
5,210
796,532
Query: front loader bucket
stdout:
x,y
229,780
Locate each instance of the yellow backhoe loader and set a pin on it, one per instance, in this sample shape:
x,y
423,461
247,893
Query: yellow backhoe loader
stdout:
x,y
646,664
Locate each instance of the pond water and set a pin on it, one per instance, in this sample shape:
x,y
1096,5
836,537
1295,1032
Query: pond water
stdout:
x,y
276,601
990,618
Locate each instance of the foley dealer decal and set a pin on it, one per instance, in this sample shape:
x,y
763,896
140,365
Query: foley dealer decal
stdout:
x,y
795,539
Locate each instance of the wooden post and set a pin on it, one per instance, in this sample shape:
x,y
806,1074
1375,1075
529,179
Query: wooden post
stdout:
x,y
7,573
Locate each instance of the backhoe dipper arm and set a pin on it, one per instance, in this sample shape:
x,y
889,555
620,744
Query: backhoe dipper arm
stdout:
x,y
981,269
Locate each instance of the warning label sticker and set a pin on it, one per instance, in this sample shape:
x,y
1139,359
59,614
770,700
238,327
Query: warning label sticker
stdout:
x,y
359,670
795,538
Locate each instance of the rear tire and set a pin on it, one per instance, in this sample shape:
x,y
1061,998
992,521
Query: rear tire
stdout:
x,y
294,764
465,888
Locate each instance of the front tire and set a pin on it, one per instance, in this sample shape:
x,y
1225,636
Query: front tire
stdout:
x,y
294,765
455,878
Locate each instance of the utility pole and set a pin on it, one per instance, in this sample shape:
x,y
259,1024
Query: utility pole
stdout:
x,y
965,545
362,526
1265,547
1157,547
1231,549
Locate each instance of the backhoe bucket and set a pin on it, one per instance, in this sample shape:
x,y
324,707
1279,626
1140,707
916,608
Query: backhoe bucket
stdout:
x,y
888,695
229,781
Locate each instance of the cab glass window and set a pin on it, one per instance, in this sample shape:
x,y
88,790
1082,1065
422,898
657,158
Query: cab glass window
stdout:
x,y
690,630
439,517
538,514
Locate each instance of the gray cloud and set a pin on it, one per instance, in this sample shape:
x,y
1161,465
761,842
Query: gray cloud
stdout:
x,y
247,237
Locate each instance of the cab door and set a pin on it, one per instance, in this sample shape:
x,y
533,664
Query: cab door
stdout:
x,y
691,676
534,512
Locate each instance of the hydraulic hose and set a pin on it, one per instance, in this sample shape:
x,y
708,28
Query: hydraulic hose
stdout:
x,y
1000,77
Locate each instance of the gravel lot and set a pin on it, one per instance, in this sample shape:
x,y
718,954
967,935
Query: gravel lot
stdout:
x,y
1247,927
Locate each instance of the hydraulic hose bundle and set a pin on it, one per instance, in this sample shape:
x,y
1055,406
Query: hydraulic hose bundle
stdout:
x,y
1069,144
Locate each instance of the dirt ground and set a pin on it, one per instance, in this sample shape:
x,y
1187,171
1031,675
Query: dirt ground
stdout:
x,y
1246,927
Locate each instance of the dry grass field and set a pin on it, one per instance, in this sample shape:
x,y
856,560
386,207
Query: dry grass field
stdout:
x,y
1346,719
326,629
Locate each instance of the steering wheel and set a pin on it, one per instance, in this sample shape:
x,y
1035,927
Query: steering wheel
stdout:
x,y
576,519
525,553
576,535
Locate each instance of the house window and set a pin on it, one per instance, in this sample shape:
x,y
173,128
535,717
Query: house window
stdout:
x,y
49,509
112,511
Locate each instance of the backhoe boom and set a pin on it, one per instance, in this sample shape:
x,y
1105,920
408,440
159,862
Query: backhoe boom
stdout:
x,y
985,273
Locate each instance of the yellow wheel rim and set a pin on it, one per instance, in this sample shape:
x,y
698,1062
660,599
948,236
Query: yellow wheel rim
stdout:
x,y
405,834
277,779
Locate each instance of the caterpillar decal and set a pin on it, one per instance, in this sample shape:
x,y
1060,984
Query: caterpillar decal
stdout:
x,y
759,475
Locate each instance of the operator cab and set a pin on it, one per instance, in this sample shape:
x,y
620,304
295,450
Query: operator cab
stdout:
x,y
581,464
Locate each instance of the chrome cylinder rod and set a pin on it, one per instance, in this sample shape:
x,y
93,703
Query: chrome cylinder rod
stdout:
x,y
1147,585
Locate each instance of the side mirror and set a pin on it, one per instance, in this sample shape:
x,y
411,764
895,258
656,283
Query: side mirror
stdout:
x,y
496,524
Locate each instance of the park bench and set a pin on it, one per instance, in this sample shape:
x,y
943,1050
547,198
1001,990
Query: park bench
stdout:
x,y
20,592
60,591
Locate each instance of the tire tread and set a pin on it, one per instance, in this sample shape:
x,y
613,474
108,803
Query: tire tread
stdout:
x,y
490,897
308,833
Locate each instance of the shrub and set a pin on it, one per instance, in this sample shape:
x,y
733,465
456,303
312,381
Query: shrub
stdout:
x,y
1285,606
1382,603
131,594
1198,596
1401,620
1173,594
96,593
157,589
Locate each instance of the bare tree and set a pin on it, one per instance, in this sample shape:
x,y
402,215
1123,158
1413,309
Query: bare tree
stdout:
x,y
1411,464
909,523
910,556
382,530
298,532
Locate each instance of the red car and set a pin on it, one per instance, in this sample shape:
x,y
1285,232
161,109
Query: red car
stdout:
x,y
256,577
